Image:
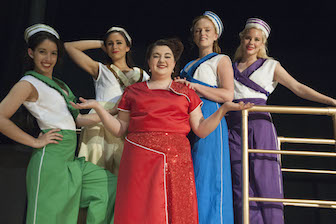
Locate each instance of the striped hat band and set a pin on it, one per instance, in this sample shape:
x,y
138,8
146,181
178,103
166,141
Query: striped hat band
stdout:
x,y
30,31
260,24
216,21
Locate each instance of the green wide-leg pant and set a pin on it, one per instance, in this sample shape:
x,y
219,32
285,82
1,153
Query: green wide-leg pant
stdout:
x,y
58,184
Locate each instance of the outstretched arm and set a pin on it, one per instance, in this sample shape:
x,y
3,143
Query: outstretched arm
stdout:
x,y
21,92
299,89
224,92
92,119
203,127
76,50
117,126
87,119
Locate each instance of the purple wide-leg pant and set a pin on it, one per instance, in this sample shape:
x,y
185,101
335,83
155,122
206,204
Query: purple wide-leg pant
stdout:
x,y
264,169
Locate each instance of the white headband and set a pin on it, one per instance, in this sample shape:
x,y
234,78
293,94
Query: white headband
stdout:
x,y
115,28
216,21
30,31
260,24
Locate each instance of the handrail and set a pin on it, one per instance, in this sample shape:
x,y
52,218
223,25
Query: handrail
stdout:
x,y
307,140
292,152
330,111
302,202
294,110
308,171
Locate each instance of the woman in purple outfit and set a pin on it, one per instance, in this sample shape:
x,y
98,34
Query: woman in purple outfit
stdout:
x,y
255,77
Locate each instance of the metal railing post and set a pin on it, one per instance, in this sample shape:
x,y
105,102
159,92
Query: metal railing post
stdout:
x,y
245,169
245,156
334,124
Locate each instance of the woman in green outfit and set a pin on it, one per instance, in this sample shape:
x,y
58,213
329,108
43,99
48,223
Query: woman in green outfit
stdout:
x,y
58,183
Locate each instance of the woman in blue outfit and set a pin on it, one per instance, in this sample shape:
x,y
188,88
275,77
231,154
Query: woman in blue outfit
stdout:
x,y
211,76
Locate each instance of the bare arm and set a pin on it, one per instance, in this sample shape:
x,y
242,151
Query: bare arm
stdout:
x,y
114,110
299,89
21,92
91,119
203,127
117,126
87,119
76,50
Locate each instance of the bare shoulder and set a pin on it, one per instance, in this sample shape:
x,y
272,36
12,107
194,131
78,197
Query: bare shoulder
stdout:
x,y
23,84
225,60
279,72
23,90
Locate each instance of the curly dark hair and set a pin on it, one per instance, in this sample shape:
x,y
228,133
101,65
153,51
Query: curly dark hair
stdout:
x,y
175,46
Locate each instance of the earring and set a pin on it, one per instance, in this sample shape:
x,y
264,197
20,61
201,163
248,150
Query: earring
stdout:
x,y
149,71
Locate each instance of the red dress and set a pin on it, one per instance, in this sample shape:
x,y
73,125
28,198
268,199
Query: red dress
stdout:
x,y
156,178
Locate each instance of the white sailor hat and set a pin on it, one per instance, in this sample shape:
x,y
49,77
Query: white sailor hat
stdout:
x,y
216,21
30,31
260,24
119,29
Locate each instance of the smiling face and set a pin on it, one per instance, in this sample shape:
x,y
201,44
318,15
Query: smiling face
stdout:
x,y
116,46
161,62
252,42
204,33
44,57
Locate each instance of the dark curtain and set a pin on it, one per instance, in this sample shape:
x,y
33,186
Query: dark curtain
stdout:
x,y
301,39
16,15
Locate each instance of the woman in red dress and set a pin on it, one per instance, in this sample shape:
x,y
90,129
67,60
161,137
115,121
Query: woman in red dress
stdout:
x,y
156,179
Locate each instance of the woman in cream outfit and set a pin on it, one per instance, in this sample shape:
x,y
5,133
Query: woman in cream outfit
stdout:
x,y
98,145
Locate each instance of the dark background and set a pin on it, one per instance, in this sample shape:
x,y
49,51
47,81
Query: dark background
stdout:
x,y
302,39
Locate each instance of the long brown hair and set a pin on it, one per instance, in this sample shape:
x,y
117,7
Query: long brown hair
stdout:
x,y
22,117
129,60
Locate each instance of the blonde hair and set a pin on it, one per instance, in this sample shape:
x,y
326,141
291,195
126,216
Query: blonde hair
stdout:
x,y
262,52
215,47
